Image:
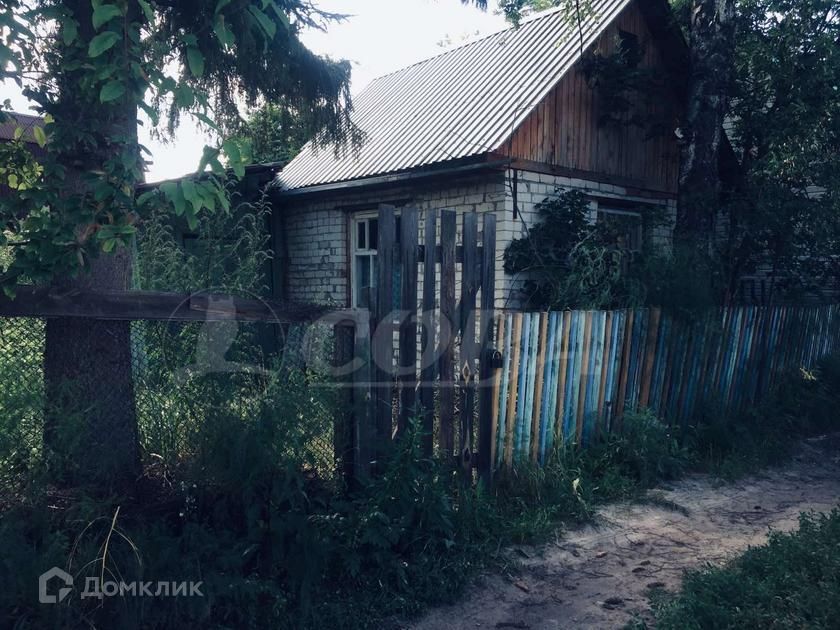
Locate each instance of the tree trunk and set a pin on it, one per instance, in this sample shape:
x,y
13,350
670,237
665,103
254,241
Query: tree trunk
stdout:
x,y
90,430
91,424
712,45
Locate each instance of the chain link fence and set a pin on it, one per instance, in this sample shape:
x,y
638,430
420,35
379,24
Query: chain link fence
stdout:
x,y
196,384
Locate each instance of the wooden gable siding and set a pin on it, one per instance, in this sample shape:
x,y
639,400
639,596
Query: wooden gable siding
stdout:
x,y
563,131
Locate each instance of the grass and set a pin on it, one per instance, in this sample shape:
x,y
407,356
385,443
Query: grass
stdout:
x,y
277,547
803,404
791,582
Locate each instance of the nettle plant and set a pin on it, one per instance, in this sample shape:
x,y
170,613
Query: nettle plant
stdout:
x,y
92,66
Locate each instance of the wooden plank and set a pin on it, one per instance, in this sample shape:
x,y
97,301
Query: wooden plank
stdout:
x,y
49,302
594,379
447,332
586,346
796,347
496,408
672,331
363,417
525,350
409,224
591,379
677,385
650,350
549,393
382,339
527,415
516,344
813,336
573,381
763,359
700,331
504,419
720,356
682,392
343,422
786,336
810,337
755,363
620,401
731,355
605,369
758,358
539,381
615,365
707,365
487,281
773,349
469,290
427,335
740,384
637,356
562,370
737,353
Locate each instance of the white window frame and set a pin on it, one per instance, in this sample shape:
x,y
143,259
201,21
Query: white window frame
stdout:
x,y
356,219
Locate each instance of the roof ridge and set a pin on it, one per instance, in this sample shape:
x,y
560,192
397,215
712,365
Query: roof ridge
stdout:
x,y
528,20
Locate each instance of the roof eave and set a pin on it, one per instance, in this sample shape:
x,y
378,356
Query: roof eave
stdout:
x,y
481,162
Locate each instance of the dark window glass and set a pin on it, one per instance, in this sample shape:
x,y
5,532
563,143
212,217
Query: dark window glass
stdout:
x,y
360,235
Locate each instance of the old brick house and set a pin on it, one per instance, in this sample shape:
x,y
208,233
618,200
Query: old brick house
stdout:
x,y
491,126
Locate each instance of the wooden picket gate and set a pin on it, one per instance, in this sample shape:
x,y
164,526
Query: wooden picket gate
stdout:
x,y
419,353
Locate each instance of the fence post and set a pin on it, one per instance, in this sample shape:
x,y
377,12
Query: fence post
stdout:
x,y
649,356
364,427
427,334
469,289
408,317
485,370
539,381
344,423
447,332
510,427
382,340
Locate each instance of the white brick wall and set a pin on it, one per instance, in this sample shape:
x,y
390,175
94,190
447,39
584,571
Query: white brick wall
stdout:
x,y
317,238
532,188
317,231
316,242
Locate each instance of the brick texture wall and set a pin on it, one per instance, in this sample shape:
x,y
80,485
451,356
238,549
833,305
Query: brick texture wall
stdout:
x,y
316,230
532,188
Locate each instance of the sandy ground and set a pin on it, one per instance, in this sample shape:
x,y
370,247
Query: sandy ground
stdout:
x,y
599,576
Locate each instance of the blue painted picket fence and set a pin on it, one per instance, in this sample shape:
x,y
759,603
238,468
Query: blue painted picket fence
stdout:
x,y
569,376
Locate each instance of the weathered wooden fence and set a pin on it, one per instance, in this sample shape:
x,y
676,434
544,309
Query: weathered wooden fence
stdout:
x,y
424,352
568,376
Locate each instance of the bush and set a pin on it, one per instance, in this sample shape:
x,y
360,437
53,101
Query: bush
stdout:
x,y
792,582
802,404
255,516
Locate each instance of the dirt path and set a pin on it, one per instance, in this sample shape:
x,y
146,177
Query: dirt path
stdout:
x,y
598,576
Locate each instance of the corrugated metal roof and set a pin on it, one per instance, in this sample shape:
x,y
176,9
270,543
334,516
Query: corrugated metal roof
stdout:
x,y
14,120
461,103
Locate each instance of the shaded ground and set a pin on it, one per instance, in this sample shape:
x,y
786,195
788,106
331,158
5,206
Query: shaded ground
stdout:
x,y
599,576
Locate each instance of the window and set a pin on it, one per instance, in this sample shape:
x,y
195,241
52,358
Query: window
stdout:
x,y
364,246
365,232
626,225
